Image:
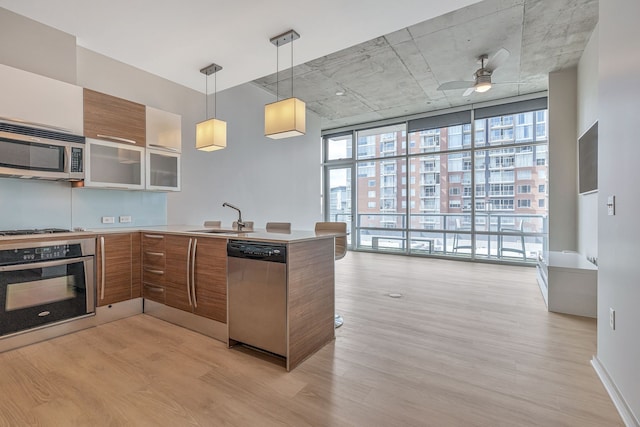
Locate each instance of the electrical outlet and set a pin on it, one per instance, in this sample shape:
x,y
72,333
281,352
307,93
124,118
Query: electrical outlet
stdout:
x,y
108,220
612,319
125,218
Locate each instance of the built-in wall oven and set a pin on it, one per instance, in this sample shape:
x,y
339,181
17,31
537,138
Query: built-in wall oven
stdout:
x,y
43,283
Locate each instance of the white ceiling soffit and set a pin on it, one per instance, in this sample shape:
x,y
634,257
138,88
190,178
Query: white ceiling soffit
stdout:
x,y
174,39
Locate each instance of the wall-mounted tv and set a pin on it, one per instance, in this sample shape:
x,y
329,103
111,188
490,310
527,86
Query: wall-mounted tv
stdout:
x,y
588,160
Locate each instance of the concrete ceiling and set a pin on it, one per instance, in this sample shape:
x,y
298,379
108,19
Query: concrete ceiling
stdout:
x,y
398,73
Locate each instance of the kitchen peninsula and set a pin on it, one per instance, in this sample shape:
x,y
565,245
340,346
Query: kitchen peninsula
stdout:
x,y
180,274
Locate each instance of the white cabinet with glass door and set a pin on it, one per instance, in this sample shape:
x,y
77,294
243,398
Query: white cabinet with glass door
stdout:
x,y
164,143
114,165
163,170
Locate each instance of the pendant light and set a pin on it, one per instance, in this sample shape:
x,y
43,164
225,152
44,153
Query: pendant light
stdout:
x,y
212,133
284,118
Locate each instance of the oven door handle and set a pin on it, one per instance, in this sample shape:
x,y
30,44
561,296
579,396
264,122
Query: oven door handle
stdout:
x,y
44,264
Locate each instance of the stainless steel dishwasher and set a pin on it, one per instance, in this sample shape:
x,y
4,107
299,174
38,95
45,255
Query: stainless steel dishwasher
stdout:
x,y
257,281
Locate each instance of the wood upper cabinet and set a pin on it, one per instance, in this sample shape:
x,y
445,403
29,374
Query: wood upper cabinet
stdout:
x,y
114,119
118,268
210,283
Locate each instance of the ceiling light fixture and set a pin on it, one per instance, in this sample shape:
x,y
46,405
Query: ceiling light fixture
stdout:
x,y
211,134
286,118
483,83
483,77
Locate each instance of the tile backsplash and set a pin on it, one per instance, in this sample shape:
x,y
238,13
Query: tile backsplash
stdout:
x,y
144,207
38,204
34,204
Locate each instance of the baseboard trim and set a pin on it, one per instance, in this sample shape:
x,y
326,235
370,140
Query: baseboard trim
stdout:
x,y
621,405
119,310
199,324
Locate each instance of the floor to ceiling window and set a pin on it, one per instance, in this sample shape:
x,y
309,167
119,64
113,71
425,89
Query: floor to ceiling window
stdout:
x,y
467,184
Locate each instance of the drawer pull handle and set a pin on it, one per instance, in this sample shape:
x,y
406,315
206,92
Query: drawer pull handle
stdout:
x,y
154,288
154,253
154,236
148,270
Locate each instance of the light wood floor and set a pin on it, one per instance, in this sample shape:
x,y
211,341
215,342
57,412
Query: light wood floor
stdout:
x,y
466,345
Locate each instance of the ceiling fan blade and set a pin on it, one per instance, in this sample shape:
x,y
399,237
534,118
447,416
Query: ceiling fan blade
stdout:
x,y
498,59
469,91
458,84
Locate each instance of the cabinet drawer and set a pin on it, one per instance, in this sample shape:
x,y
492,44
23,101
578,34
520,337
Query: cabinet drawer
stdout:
x,y
153,292
152,242
153,259
153,275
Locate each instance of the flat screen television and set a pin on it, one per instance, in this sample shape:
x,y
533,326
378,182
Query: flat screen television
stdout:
x,y
588,160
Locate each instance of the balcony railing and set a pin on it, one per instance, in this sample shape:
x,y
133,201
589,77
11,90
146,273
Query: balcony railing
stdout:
x,y
500,236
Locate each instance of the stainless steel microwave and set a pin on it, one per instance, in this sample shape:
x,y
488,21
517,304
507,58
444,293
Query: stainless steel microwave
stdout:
x,y
36,153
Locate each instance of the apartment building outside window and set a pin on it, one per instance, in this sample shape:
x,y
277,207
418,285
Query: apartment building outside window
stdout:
x,y
426,200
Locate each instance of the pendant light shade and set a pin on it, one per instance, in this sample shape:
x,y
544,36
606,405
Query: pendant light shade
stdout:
x,y
285,118
211,134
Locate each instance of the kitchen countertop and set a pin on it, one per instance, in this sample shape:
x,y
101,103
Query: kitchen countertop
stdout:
x,y
188,230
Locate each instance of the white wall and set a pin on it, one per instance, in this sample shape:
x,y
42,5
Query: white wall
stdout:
x,y
29,45
618,174
563,188
587,116
269,180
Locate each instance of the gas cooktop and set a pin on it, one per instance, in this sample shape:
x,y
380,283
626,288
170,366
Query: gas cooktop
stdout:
x,y
33,231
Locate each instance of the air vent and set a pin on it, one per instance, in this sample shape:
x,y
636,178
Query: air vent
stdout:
x,y
41,133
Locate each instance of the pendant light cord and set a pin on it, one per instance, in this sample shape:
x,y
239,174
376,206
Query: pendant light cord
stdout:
x,y
206,95
292,66
277,69
215,90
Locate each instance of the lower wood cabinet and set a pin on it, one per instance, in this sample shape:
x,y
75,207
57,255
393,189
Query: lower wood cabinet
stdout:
x,y
153,266
210,283
118,268
187,273
178,266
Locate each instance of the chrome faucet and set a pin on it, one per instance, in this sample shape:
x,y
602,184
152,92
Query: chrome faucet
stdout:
x,y
240,223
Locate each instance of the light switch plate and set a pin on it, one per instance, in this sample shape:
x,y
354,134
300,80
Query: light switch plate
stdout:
x,y
612,319
611,205
125,218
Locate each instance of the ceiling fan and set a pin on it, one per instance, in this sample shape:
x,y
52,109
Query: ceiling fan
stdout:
x,y
482,77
